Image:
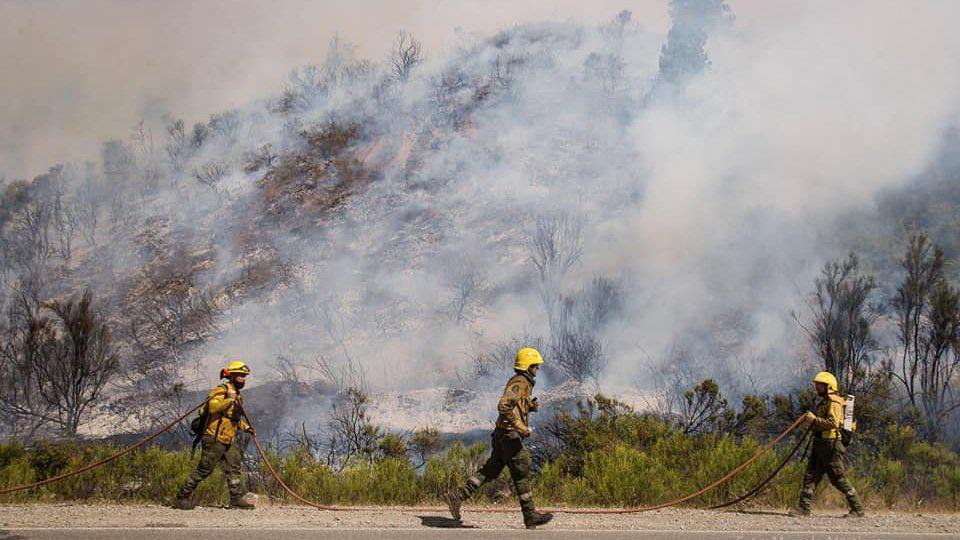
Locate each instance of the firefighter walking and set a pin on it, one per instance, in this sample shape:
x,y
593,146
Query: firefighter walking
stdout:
x,y
828,449
221,420
511,429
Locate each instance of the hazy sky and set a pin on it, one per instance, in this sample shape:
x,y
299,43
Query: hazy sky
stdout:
x,y
81,71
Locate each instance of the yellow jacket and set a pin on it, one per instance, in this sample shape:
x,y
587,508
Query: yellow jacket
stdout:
x,y
225,418
829,411
516,404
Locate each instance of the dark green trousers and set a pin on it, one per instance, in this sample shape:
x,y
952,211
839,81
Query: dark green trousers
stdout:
x,y
508,451
827,458
214,452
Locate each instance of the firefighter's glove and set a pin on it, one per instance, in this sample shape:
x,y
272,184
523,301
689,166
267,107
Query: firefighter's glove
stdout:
x,y
251,431
534,405
809,417
525,432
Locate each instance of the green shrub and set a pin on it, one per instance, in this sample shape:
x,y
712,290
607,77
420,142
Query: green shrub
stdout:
x,y
10,453
948,486
625,476
310,479
887,475
450,469
551,483
50,459
609,456
393,446
784,491
14,473
389,481
716,456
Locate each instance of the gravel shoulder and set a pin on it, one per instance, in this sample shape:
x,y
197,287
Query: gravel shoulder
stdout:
x,y
300,517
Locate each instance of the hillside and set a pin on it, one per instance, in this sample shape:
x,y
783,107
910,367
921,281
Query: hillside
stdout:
x,y
649,210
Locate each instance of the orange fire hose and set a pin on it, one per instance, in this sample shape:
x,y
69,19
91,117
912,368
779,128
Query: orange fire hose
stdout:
x,y
103,461
806,437
760,451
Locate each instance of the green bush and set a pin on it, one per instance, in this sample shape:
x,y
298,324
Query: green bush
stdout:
x,y
625,476
14,473
607,456
785,490
449,469
715,456
887,477
389,481
948,486
50,459
10,453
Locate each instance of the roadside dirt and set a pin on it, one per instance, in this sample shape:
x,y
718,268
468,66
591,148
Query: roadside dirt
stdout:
x,y
284,517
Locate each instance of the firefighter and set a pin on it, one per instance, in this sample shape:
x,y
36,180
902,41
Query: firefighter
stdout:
x,y
223,420
511,429
828,449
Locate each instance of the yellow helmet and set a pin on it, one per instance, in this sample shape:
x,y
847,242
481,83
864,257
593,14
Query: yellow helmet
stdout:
x,y
526,358
237,367
828,379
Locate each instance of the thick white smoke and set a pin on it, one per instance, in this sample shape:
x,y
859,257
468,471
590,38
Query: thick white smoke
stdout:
x,y
710,201
705,203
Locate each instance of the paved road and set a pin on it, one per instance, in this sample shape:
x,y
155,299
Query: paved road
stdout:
x,y
289,522
435,534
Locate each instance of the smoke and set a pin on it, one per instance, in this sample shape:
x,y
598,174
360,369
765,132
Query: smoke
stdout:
x,y
710,203
688,191
77,73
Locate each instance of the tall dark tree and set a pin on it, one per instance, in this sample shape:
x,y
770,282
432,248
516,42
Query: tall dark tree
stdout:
x,y
57,358
27,341
82,362
840,321
684,54
928,323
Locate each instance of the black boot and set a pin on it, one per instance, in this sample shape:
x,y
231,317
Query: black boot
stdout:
x,y
453,503
241,503
183,503
537,518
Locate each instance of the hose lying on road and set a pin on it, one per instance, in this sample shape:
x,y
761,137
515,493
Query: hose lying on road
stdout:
x,y
760,451
103,461
756,489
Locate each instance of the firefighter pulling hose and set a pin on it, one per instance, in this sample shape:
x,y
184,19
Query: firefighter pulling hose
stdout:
x,y
220,420
831,425
224,407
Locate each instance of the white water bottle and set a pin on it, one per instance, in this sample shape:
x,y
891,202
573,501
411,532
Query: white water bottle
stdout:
x,y
848,414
